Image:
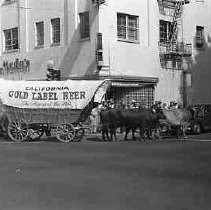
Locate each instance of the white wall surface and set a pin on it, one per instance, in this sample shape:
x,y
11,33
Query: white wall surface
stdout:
x,y
76,57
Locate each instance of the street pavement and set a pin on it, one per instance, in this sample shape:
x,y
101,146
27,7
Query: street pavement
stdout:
x,y
94,175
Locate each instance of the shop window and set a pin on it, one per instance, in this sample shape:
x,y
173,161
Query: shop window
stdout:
x,y
39,34
55,31
11,39
143,96
84,25
165,31
127,27
199,39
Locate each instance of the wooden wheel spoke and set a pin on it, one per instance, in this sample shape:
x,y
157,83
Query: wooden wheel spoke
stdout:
x,y
15,124
18,131
70,134
18,136
65,133
12,126
24,131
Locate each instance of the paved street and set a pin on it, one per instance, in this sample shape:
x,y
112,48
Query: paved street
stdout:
x,y
94,175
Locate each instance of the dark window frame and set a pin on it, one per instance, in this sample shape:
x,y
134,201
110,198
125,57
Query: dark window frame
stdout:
x,y
11,39
40,35
165,28
200,38
84,25
55,31
128,27
7,2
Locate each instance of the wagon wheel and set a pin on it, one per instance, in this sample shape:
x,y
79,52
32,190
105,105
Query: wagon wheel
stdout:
x,y
79,131
18,131
65,132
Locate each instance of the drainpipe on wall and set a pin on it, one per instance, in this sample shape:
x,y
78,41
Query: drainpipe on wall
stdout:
x,y
26,26
66,28
148,22
98,36
0,32
19,34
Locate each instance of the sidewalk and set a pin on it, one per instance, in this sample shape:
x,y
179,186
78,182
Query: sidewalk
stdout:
x,y
98,136
202,136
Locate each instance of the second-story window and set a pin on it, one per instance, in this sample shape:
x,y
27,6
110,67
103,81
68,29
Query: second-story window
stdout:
x,y
165,30
55,31
199,39
39,34
11,39
84,25
127,27
8,1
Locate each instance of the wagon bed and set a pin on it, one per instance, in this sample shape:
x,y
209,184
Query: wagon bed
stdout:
x,y
53,116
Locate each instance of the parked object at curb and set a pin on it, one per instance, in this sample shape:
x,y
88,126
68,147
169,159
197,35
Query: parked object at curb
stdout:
x,y
201,120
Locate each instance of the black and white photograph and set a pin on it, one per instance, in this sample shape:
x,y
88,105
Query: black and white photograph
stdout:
x,y
105,104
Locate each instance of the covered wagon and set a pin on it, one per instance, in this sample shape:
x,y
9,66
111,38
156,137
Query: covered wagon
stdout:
x,y
35,107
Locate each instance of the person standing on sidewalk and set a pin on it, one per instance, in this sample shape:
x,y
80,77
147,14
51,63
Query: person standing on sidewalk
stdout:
x,y
95,118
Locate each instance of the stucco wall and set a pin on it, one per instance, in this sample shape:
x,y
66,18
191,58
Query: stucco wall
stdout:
x,y
72,56
79,57
140,59
76,57
124,57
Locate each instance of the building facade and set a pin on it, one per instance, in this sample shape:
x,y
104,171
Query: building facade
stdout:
x,y
151,50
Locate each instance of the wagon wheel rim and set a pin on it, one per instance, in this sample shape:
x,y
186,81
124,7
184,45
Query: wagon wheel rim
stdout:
x,y
18,131
65,133
79,132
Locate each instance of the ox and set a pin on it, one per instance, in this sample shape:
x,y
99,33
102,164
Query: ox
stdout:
x,y
144,119
110,121
3,119
3,123
131,119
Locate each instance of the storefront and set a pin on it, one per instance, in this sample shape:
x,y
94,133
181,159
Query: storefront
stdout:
x,y
127,89
124,89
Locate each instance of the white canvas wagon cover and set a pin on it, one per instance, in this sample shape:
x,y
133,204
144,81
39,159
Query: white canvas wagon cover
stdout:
x,y
71,94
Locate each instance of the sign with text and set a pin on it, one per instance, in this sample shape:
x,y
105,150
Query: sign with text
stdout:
x,y
18,66
72,94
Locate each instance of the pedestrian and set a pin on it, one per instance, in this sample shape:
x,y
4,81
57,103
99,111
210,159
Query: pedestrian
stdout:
x,y
133,104
122,105
173,105
112,105
94,120
164,106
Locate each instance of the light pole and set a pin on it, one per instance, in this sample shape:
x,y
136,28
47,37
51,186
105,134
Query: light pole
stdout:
x,y
184,81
